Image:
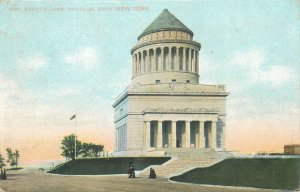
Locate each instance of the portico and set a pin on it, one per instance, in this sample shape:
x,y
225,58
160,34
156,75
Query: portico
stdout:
x,y
180,131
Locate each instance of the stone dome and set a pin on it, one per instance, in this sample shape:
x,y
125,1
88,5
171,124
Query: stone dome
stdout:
x,y
165,22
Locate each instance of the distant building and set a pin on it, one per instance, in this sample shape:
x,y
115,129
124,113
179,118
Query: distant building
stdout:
x,y
292,149
165,107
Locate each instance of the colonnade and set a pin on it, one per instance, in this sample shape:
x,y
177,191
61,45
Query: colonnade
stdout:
x,y
171,58
180,134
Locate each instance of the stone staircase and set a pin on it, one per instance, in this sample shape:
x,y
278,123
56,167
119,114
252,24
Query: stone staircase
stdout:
x,y
184,160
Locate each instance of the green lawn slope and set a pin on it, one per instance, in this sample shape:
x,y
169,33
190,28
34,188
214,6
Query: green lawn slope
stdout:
x,y
109,165
260,173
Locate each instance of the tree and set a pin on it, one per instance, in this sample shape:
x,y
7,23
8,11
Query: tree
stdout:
x,y
11,157
17,155
68,147
91,150
2,161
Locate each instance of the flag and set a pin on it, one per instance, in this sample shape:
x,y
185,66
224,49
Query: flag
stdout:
x,y
73,117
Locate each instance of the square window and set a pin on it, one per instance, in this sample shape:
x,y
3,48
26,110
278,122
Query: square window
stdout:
x,y
187,81
173,80
157,81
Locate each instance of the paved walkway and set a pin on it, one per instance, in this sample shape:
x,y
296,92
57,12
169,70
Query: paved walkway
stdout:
x,y
37,181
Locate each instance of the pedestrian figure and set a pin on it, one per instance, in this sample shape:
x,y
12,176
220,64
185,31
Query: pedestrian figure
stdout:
x,y
152,174
4,175
131,172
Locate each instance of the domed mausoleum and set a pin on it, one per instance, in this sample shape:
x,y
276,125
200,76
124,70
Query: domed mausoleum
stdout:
x,y
165,108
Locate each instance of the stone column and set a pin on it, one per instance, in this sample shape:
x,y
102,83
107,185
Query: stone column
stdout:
x,y
162,54
147,62
147,132
223,136
137,64
173,134
195,60
154,63
190,60
187,134
125,138
201,135
121,141
213,134
142,63
183,59
116,139
196,63
169,63
132,65
177,59
159,134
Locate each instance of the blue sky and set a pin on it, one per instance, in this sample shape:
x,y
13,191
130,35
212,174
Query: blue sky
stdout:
x,y
56,63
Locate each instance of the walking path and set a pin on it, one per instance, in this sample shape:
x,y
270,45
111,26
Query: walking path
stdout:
x,y
36,181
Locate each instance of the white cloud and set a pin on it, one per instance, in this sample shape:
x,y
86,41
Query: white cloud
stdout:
x,y
8,89
32,63
277,75
85,58
253,62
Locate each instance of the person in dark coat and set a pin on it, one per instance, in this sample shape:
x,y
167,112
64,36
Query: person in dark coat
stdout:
x,y
152,174
131,172
4,175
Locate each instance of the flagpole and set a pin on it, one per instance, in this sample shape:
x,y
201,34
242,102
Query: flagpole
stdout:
x,y
75,138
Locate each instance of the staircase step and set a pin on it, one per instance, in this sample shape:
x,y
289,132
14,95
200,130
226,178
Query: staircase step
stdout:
x,y
184,160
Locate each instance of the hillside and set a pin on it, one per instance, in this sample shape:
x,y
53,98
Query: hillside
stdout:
x,y
108,165
260,173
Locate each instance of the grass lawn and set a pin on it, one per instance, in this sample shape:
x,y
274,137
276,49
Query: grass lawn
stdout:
x,y
15,168
108,165
260,173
